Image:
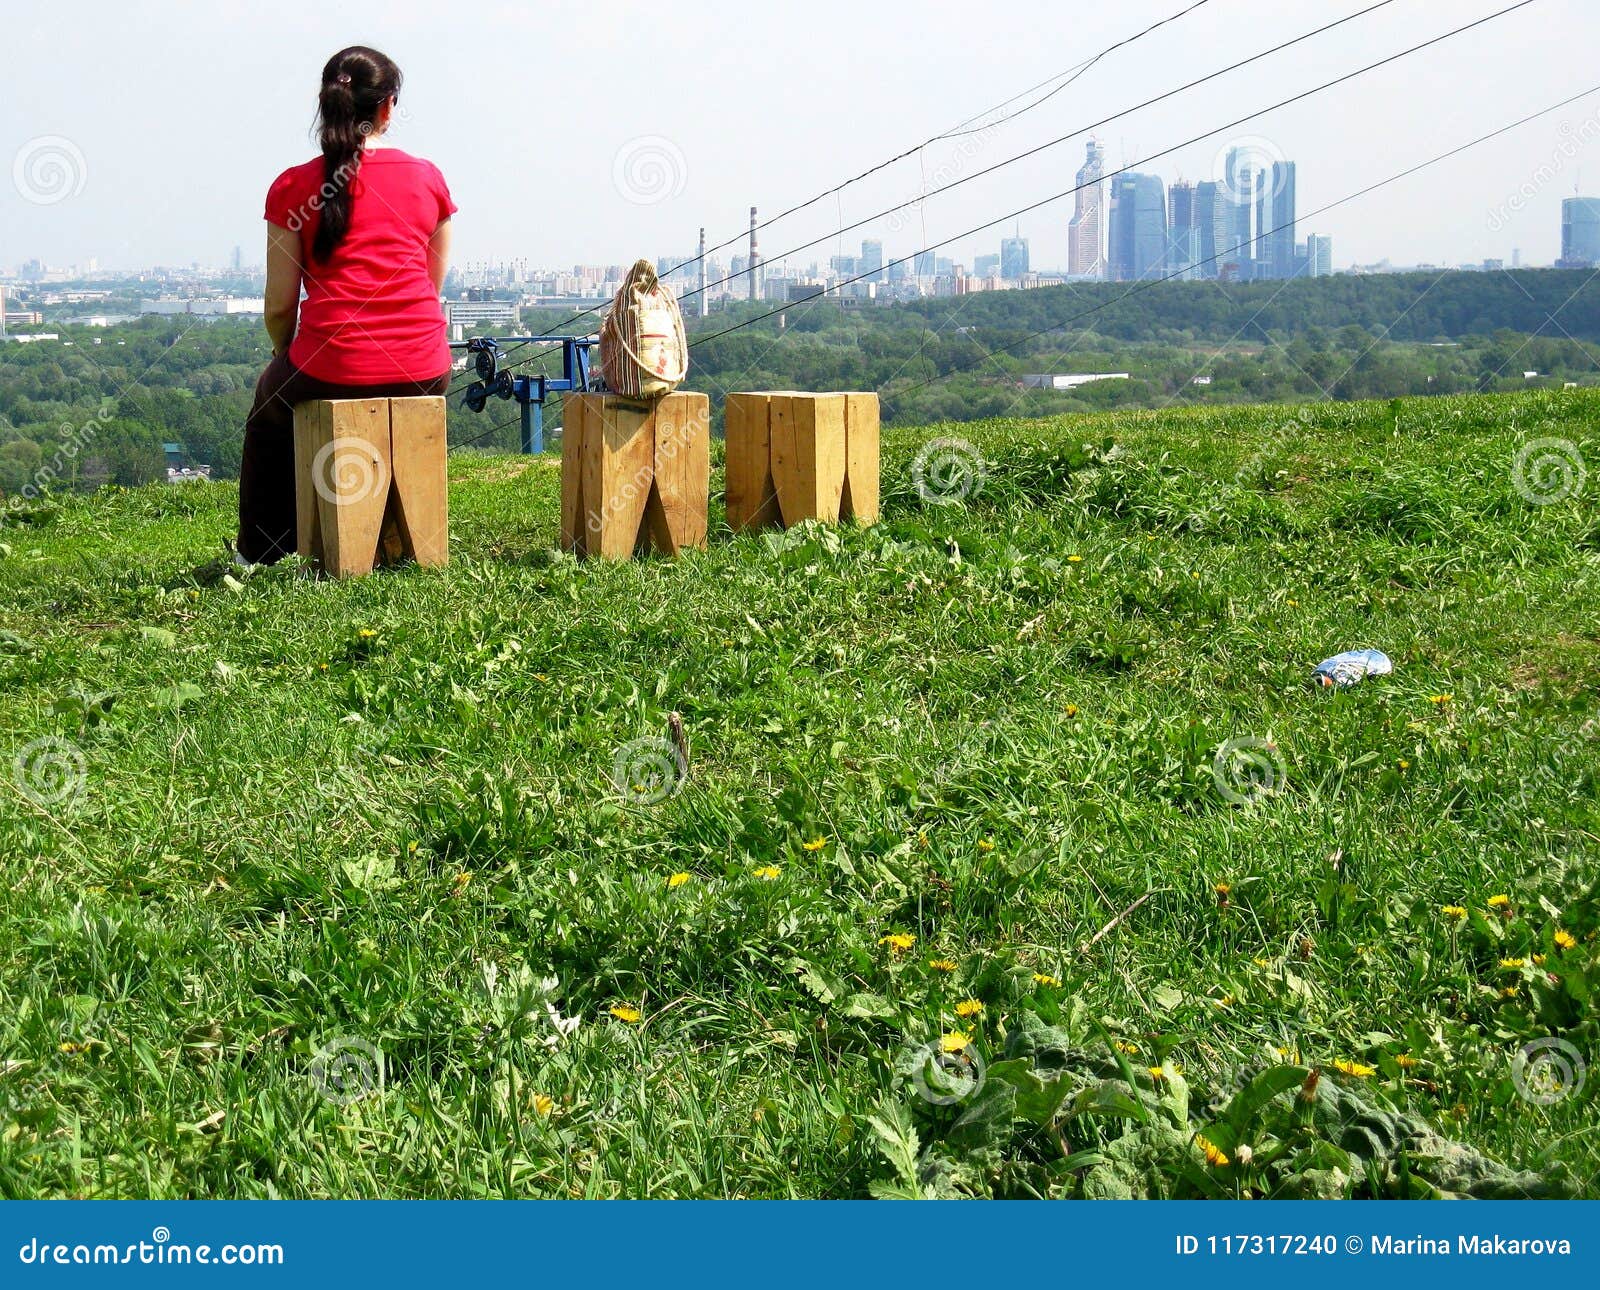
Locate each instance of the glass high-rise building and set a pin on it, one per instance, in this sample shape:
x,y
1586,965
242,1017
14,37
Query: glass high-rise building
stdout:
x,y
1580,232
1137,245
1275,240
1013,257
1086,255
1206,203
1236,194
1183,233
1319,255
870,261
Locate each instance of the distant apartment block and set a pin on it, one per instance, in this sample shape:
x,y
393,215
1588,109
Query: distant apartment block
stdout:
x,y
1068,380
219,308
477,313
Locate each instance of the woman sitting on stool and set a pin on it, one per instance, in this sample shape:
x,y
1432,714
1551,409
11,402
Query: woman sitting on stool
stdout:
x,y
366,230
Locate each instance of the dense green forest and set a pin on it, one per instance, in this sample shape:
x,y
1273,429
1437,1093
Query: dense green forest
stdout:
x,y
96,406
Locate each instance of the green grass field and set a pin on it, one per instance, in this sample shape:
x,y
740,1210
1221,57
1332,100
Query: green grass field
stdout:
x,y
1015,854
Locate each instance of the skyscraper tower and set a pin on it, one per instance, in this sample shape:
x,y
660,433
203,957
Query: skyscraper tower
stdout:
x,y
1275,221
1206,204
702,305
1237,195
1014,256
1183,233
755,259
1086,230
1137,245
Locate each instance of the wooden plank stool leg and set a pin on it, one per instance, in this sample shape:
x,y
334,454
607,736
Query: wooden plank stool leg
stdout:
x,y
750,497
808,455
675,512
420,498
616,469
859,501
342,474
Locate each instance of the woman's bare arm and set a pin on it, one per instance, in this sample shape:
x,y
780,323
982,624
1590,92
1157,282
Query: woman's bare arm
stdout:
x,y
439,255
284,273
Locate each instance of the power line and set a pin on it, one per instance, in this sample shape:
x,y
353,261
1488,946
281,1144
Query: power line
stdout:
x,y
1023,210
479,438
1154,282
1077,71
1072,73
1060,139
1348,197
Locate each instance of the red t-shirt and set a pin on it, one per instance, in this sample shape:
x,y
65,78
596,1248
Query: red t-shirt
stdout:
x,y
370,315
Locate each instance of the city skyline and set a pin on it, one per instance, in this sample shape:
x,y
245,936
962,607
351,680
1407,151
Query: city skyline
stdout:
x,y
634,184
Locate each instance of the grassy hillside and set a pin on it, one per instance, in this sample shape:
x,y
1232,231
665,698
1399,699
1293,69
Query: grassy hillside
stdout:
x,y
1015,855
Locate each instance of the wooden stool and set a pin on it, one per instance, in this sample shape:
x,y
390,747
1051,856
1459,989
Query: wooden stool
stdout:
x,y
794,456
634,474
370,483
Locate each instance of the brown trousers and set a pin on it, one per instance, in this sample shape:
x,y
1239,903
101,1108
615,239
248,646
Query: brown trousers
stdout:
x,y
266,473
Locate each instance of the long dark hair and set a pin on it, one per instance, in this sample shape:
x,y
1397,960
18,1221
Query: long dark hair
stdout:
x,y
356,83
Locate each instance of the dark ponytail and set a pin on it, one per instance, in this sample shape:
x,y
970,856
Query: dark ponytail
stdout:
x,y
356,83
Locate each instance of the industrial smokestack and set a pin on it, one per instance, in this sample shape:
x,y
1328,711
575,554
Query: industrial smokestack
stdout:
x,y
755,259
705,306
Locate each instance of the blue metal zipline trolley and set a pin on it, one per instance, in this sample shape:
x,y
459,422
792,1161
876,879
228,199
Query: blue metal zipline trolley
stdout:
x,y
497,380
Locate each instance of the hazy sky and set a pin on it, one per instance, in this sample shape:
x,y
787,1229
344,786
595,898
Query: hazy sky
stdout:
x,y
597,133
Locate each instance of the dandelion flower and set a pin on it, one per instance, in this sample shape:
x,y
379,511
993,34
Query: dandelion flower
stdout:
x,y
1538,960
1499,902
1564,939
1215,1156
677,879
1071,709
543,1105
1403,764
1512,991
956,1041
1455,913
623,1012
462,879
1074,559
1405,1061
1512,965
985,845
898,942
1354,1069
366,633
816,844
1227,1001
941,965
1439,700
768,872
1044,978
1124,1046
969,1008
1223,888
1261,962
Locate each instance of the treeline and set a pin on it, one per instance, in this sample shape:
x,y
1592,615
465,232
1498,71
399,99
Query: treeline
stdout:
x,y
159,380
1401,306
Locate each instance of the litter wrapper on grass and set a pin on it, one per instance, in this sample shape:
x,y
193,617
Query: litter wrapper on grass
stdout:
x,y
1351,667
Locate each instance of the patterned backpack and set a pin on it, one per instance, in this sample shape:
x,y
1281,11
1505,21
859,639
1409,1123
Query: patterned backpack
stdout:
x,y
643,352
